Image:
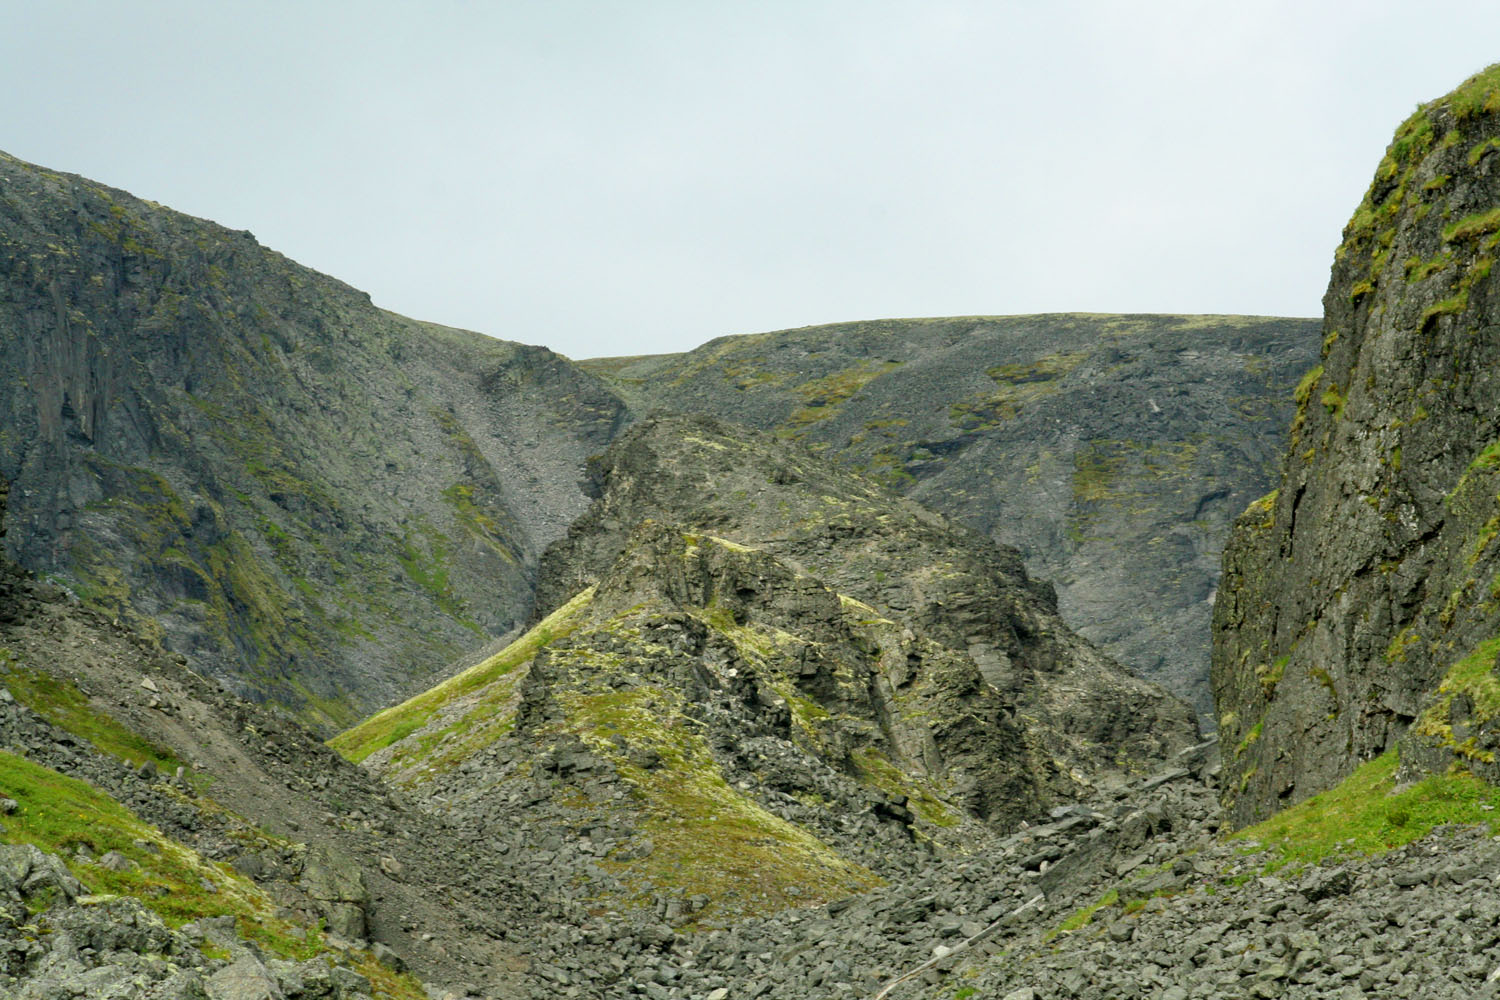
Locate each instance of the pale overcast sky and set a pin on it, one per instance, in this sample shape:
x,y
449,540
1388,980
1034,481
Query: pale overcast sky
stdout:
x,y
637,177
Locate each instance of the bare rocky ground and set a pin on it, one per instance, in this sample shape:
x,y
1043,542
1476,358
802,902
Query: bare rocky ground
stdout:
x,y
323,839
1192,915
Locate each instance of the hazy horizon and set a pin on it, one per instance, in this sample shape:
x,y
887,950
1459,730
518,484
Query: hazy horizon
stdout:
x,y
612,178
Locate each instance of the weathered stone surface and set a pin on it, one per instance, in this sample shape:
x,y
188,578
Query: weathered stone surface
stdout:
x,y
338,884
820,678
271,470
245,979
1357,608
944,583
1112,451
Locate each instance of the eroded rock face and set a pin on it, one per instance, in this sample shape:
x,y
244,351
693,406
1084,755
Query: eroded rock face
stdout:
x,y
761,682
1358,609
317,501
1113,452
944,582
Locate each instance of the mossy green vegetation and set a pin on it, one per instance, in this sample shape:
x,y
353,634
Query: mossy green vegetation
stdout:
x,y
1367,814
1095,468
480,522
923,799
1302,396
1017,385
708,837
63,704
1472,676
387,727
61,814
1333,401
1400,646
822,396
64,816
1263,510
1250,739
1479,94
1084,915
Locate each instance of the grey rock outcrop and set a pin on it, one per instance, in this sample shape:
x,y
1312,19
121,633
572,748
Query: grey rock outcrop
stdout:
x,y
764,682
1112,451
945,582
303,493
1358,607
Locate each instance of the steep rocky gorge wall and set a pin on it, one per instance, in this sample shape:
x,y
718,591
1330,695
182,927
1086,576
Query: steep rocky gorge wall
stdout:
x,y
1112,451
318,501
946,583
763,681
1360,606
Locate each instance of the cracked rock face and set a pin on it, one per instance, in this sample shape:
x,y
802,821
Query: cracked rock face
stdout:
x,y
747,647
318,501
1358,608
940,581
1113,452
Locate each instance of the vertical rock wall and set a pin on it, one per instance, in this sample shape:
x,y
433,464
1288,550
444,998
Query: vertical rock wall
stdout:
x,y
1359,608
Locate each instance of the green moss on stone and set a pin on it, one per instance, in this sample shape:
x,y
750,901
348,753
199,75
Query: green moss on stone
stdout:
x,y
1367,814
392,724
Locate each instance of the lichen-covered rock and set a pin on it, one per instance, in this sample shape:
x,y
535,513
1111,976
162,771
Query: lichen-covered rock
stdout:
x,y
769,682
338,886
1112,451
1358,607
945,583
313,499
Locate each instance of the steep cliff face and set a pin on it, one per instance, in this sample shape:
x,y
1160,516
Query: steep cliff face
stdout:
x,y
317,501
1112,451
1360,606
908,563
763,680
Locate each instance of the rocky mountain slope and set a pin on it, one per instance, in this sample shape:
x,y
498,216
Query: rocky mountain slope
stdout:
x,y
319,502
211,882
766,681
1112,451
775,732
161,836
316,500
1359,607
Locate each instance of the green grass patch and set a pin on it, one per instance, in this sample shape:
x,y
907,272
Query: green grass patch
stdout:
x,y
60,814
1365,814
1453,304
1470,226
386,727
1479,94
709,838
1474,677
1084,915
61,703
